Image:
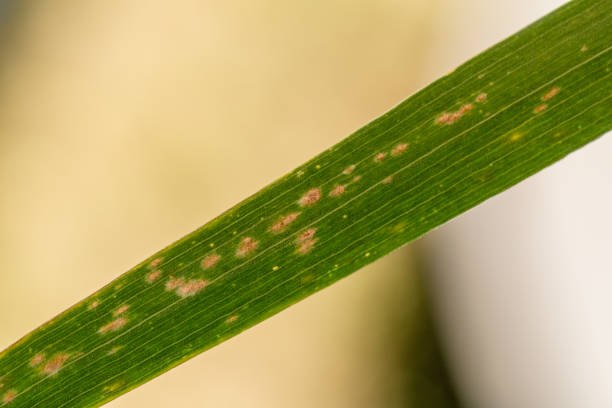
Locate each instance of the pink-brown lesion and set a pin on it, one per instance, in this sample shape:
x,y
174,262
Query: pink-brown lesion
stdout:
x,y
55,363
310,197
114,325
282,224
246,246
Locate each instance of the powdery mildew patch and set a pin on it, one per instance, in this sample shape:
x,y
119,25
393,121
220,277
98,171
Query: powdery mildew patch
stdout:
x,y
246,246
210,261
311,197
113,326
191,287
284,222
55,363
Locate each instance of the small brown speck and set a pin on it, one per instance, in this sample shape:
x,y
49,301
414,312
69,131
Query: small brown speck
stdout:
x,y
356,179
482,97
93,305
584,48
231,319
311,197
387,180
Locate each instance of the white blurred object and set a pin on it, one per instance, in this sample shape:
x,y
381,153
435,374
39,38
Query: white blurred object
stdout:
x,y
522,288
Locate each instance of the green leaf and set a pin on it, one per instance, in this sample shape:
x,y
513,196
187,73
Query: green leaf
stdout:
x,y
502,116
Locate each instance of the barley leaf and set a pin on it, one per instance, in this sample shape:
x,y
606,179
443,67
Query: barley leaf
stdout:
x,y
500,117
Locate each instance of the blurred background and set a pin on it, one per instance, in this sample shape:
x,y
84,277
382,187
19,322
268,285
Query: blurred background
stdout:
x,y
125,125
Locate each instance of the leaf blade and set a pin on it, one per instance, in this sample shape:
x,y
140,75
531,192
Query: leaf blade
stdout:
x,y
444,156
